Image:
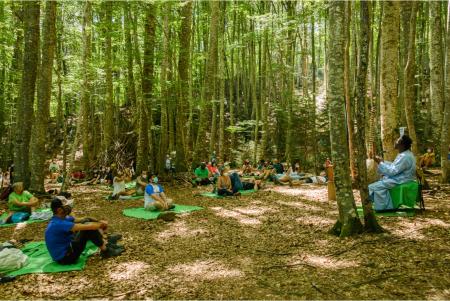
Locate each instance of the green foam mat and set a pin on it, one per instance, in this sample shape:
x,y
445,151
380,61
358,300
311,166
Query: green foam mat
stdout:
x,y
40,261
216,196
407,212
146,214
4,215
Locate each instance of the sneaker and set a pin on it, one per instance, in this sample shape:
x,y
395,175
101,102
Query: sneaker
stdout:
x,y
113,238
111,252
115,246
167,216
171,207
237,193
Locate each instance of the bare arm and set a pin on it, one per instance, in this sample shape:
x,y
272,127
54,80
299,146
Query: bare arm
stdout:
x,y
89,226
33,201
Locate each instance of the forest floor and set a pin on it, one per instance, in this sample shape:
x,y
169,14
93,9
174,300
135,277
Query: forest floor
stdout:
x,y
269,245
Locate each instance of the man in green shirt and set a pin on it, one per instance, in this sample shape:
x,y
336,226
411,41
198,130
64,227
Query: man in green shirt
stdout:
x,y
201,175
20,200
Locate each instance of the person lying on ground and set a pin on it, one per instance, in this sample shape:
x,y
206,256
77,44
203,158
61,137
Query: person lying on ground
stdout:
x,y
66,236
119,188
20,200
93,181
224,187
141,183
427,159
201,175
402,170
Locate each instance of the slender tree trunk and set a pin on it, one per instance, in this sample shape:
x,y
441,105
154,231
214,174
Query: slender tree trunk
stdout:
x,y
26,100
145,141
389,76
131,88
210,79
348,222
221,81
40,128
348,105
313,101
86,129
290,58
436,71
108,123
370,221
184,67
409,80
445,131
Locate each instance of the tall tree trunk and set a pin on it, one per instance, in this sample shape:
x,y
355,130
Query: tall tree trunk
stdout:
x,y
131,88
26,100
290,61
145,141
389,76
409,80
313,100
184,67
436,71
165,89
370,221
348,222
221,80
86,129
348,105
256,103
209,82
108,124
38,151
445,131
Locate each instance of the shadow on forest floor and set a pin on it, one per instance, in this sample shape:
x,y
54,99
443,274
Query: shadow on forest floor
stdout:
x,y
269,245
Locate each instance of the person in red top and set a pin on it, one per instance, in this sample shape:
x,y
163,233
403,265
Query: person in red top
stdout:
x,y
213,171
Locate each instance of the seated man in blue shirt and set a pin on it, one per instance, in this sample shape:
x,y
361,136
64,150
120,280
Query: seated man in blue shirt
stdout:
x,y
66,236
402,170
156,200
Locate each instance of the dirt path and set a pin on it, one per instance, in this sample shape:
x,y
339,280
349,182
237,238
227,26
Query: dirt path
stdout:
x,y
269,245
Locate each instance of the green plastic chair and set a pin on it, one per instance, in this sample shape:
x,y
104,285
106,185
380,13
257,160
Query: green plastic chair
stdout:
x,y
406,194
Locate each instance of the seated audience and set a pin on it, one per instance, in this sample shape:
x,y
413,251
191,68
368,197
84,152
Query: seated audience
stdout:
x,y
119,188
402,170
20,200
278,167
427,159
247,168
156,200
224,186
213,172
141,183
201,175
54,170
66,236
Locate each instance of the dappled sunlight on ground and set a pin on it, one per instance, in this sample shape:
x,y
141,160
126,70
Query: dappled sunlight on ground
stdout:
x,y
180,229
127,270
324,262
309,191
438,294
241,218
205,270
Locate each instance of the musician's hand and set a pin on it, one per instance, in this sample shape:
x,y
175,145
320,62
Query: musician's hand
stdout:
x,y
378,159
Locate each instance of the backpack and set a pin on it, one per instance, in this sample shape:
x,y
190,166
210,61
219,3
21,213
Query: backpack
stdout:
x,y
12,259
